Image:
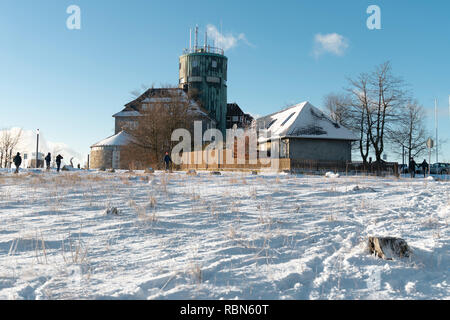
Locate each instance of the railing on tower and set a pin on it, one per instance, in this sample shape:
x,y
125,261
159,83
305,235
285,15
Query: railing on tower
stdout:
x,y
208,49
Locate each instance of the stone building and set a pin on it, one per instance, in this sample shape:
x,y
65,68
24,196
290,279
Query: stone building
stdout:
x,y
235,116
202,82
128,118
306,133
111,153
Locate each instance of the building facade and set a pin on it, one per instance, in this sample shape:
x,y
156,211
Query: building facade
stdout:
x,y
237,118
111,153
305,133
204,70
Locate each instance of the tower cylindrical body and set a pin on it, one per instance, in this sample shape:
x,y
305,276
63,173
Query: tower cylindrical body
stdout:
x,y
206,73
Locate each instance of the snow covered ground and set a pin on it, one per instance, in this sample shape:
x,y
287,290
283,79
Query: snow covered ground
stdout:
x,y
234,236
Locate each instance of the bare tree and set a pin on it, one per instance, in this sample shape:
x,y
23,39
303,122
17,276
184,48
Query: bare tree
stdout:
x,y
163,111
388,94
410,133
360,113
8,143
377,100
349,109
339,108
372,107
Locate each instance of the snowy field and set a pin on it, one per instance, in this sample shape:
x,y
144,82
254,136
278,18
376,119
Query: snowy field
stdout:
x,y
234,236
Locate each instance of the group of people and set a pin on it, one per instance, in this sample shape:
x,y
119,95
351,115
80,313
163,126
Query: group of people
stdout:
x,y
18,161
412,167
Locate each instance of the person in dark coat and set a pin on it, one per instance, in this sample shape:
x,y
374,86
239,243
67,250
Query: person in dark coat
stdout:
x,y
425,167
58,162
48,158
17,161
412,167
167,160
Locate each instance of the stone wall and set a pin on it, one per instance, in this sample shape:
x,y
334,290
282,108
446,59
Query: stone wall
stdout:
x,y
320,150
101,158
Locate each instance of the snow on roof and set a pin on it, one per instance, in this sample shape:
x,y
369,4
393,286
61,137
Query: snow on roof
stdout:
x,y
127,114
194,108
120,139
303,121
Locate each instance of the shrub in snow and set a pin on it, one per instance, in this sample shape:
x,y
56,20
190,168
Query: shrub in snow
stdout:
x,y
192,172
254,172
387,247
331,175
215,173
149,170
112,211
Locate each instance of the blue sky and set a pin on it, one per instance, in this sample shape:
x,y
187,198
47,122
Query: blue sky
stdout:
x,y
68,83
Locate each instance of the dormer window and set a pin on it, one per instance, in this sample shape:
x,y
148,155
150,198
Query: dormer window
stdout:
x,y
288,118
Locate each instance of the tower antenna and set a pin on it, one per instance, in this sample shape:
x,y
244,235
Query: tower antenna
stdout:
x,y
190,39
206,38
196,38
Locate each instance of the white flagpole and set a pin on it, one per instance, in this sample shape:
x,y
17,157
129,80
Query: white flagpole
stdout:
x,y
436,125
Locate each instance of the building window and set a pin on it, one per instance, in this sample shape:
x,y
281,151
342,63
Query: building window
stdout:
x,y
271,123
290,116
235,118
214,64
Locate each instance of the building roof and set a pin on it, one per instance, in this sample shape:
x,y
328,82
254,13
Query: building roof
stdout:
x,y
303,120
120,139
233,109
126,113
155,95
152,92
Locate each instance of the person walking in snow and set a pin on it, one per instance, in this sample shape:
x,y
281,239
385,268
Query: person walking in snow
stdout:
x,y
17,161
167,161
412,167
48,158
425,167
58,162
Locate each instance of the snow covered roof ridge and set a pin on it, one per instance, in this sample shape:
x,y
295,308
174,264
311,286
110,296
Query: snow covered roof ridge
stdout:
x,y
303,120
120,139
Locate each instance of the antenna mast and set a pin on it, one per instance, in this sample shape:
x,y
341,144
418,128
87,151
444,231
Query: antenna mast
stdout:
x,y
190,39
196,38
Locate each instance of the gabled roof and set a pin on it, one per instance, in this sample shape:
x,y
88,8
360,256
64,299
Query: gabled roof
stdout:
x,y
303,120
120,139
126,113
159,92
154,95
233,109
